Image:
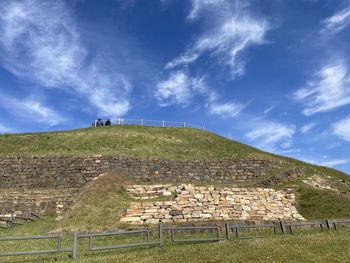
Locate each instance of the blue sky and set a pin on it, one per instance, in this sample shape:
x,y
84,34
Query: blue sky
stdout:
x,y
273,74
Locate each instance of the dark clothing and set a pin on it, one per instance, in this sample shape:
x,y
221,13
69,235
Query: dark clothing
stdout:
x,y
99,123
108,122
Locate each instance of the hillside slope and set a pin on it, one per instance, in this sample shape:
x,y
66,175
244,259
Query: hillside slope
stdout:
x,y
328,197
172,143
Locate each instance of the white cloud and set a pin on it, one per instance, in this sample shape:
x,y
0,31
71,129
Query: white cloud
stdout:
x,y
31,109
329,163
268,135
289,151
342,129
307,127
328,89
40,42
226,110
332,163
336,23
233,30
180,88
199,5
269,109
286,145
175,90
184,59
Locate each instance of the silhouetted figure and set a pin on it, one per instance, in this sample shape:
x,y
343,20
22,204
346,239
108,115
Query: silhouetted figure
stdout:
x,y
99,123
108,122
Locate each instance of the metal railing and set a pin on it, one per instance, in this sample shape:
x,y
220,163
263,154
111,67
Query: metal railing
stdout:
x,y
215,229
188,231
58,248
156,123
304,225
237,228
336,223
120,233
19,219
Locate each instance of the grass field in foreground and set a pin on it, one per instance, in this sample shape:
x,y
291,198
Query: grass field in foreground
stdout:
x,y
327,246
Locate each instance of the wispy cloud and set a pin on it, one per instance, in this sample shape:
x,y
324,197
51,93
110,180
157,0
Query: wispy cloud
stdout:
x,y
40,42
233,30
269,109
289,151
180,88
336,23
226,110
323,162
335,162
32,109
201,5
307,127
177,89
269,135
342,129
327,90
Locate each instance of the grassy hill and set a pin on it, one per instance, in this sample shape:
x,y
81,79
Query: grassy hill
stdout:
x,y
96,212
173,143
180,144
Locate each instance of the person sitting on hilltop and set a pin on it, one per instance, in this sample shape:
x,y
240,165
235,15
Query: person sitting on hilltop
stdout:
x,y
108,122
99,123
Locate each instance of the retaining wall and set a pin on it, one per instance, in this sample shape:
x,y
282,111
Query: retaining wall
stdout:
x,y
202,203
74,172
26,175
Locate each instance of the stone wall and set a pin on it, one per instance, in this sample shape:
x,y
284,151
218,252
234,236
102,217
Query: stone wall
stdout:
x,y
43,200
74,172
194,203
21,177
48,172
163,170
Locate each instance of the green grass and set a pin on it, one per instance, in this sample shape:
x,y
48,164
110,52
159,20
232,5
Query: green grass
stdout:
x,y
142,141
97,211
320,204
327,246
100,207
173,143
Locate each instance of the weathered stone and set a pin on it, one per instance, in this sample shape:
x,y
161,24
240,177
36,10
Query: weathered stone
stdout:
x,y
130,219
248,203
70,174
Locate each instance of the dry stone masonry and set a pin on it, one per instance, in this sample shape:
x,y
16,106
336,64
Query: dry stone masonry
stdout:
x,y
70,174
202,203
60,172
43,200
